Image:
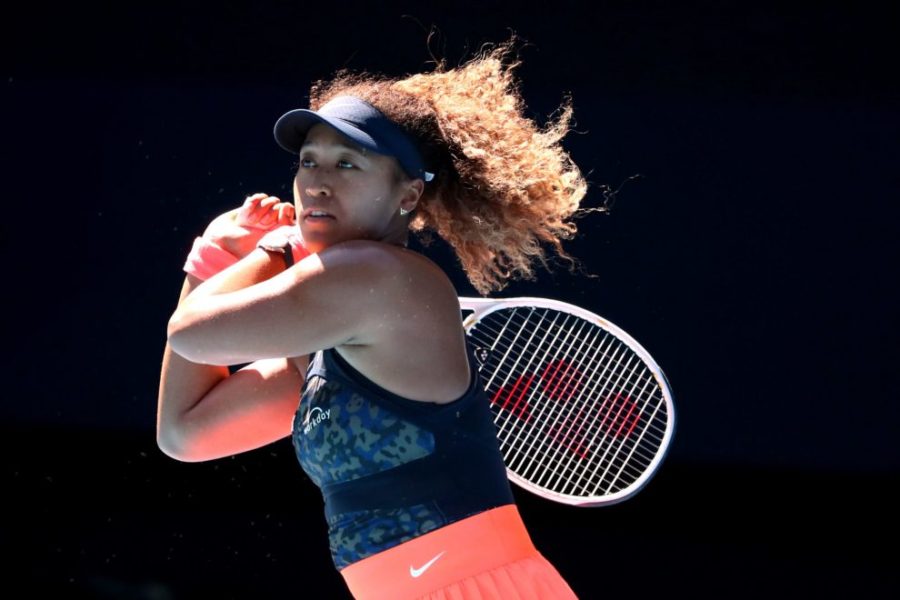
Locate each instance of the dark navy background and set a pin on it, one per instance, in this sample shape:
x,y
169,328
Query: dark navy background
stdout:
x,y
752,249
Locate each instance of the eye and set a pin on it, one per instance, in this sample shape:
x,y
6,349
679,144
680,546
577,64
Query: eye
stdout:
x,y
345,164
307,163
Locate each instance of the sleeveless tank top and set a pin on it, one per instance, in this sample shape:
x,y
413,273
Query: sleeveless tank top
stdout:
x,y
391,469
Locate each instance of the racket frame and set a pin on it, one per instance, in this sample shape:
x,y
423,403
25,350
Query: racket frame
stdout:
x,y
482,307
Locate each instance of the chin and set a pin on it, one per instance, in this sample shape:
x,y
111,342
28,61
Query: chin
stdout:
x,y
315,246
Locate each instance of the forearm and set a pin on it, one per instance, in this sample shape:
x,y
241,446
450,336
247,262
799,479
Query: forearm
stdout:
x,y
196,329
253,268
183,383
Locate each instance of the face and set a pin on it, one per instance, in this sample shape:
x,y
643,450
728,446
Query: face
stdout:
x,y
344,192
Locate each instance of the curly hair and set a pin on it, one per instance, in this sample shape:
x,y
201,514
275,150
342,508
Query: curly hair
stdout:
x,y
503,186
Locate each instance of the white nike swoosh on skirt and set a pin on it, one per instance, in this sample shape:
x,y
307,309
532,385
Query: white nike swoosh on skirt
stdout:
x,y
423,568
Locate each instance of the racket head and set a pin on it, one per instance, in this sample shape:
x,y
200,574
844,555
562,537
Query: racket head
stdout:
x,y
584,414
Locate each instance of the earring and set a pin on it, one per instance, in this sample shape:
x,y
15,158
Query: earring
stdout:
x,y
404,212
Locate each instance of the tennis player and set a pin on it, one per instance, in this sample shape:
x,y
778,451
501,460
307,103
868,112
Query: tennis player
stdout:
x,y
352,344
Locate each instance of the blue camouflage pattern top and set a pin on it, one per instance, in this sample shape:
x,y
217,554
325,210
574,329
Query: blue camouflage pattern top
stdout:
x,y
391,469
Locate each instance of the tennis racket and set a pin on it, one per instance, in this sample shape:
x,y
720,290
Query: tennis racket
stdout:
x,y
584,415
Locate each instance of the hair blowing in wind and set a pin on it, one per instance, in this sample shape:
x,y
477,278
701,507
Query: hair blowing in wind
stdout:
x,y
505,189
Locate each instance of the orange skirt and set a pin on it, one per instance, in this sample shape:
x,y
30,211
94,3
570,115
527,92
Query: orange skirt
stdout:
x,y
488,556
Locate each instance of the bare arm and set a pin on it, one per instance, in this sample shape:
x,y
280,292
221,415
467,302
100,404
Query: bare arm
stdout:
x,y
342,295
203,413
371,301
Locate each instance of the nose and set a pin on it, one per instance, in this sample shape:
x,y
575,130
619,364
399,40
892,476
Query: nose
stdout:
x,y
315,185
320,190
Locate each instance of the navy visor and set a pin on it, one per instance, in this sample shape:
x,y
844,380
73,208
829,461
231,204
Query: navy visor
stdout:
x,y
359,121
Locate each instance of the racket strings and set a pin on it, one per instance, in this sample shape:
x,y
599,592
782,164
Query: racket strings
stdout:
x,y
519,411
567,469
609,441
499,368
557,369
564,460
510,370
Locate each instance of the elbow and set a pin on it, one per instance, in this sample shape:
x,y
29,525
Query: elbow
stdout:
x,y
172,435
179,338
190,339
168,447
173,445
175,332
169,442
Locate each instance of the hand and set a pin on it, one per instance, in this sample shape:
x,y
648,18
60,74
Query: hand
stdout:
x,y
239,229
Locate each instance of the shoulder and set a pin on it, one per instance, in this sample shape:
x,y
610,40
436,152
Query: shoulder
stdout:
x,y
407,320
372,287
375,253
363,262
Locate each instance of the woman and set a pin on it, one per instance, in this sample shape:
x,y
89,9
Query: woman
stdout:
x,y
392,422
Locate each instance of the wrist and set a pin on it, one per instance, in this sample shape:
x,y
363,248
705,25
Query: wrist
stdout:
x,y
279,245
239,247
285,241
207,258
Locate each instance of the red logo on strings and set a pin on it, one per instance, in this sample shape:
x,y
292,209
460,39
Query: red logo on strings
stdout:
x,y
559,382
624,416
617,418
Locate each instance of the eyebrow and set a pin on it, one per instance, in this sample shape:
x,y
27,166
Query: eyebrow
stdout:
x,y
358,149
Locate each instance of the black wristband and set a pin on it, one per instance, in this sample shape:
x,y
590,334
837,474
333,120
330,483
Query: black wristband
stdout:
x,y
283,248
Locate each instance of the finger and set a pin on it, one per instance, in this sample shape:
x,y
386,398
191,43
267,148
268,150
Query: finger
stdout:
x,y
250,204
268,211
252,201
251,211
283,214
286,213
265,205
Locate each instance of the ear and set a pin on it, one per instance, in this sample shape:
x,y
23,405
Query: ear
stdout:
x,y
412,191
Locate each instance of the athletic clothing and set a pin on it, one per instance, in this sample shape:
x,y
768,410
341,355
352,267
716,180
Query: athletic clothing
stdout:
x,y
392,469
488,556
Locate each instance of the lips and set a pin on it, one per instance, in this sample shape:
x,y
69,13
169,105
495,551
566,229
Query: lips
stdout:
x,y
316,213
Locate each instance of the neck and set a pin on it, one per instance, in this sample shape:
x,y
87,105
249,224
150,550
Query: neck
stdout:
x,y
398,232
